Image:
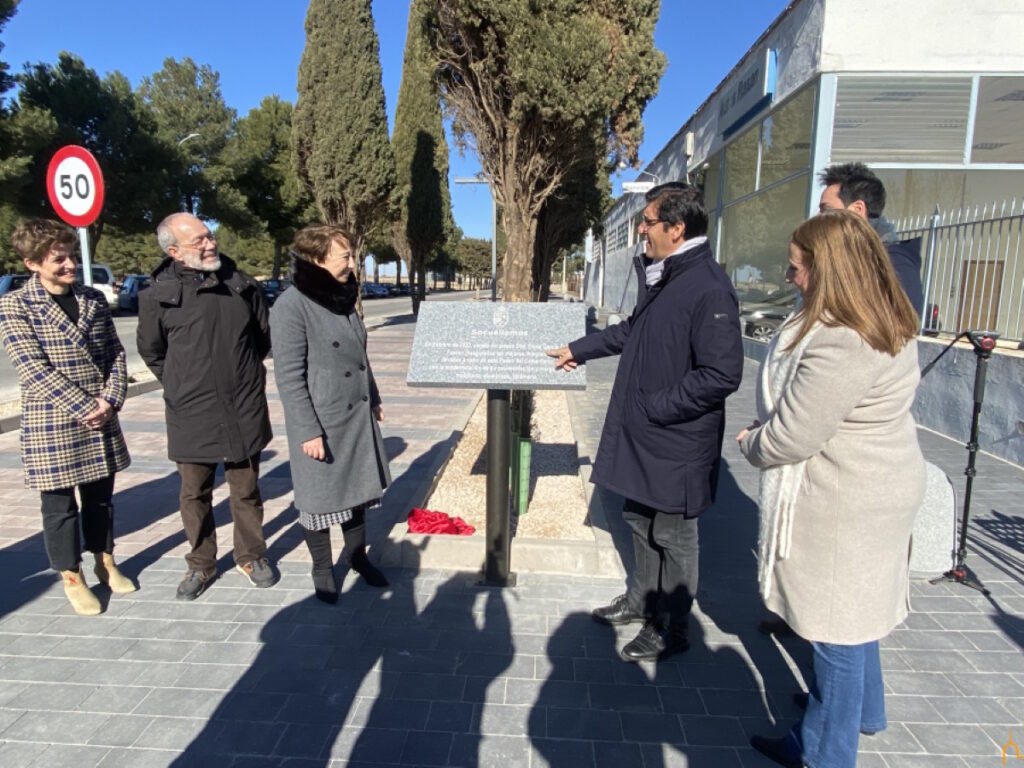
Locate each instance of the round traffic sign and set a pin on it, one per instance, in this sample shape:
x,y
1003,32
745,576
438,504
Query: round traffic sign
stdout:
x,y
74,184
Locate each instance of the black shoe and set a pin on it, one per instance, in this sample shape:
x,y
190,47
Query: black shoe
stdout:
x,y
192,586
617,613
325,585
783,751
653,644
361,564
258,572
775,626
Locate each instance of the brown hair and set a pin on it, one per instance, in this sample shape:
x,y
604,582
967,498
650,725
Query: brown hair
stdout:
x,y
313,242
852,282
33,239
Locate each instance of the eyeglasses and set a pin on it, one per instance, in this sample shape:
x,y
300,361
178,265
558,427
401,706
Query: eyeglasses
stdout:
x,y
651,222
198,242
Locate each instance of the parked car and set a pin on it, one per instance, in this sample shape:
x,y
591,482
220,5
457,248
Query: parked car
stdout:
x,y
12,283
374,291
272,289
128,295
102,281
761,319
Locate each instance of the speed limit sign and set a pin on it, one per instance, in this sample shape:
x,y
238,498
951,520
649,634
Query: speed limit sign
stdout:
x,y
75,185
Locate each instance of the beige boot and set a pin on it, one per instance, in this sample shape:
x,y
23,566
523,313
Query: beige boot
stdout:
x,y
108,574
81,597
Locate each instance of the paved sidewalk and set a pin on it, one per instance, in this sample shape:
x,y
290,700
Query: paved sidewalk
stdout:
x,y
437,671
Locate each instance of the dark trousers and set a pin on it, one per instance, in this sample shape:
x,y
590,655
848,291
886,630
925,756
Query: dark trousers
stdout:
x,y
61,522
319,542
664,582
246,512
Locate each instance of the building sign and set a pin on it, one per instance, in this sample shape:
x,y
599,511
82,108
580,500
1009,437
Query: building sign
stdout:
x,y
748,94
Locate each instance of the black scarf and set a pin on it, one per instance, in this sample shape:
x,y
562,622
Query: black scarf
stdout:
x,y
317,284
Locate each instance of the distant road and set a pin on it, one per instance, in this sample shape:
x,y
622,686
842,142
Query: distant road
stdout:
x,y
375,311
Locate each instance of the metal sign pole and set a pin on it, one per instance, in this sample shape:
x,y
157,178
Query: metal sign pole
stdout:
x,y
498,533
83,240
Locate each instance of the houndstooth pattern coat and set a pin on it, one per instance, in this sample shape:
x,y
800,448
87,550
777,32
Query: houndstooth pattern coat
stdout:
x,y
63,368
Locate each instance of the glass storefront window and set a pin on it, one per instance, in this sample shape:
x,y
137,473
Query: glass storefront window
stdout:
x,y
741,165
786,138
755,237
1000,113
711,178
914,193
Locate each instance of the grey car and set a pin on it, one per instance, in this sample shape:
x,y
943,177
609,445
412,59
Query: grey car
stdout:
x,y
761,319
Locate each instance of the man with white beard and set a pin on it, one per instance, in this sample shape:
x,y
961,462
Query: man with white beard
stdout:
x,y
204,332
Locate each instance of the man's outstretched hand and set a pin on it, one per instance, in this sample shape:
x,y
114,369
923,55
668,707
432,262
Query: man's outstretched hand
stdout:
x,y
563,358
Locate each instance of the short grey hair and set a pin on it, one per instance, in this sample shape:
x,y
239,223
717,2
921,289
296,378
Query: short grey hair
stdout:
x,y
164,234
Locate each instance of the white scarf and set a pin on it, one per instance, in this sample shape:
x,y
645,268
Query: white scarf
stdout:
x,y
780,484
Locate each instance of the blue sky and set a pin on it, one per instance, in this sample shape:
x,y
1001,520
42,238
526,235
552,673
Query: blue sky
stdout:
x,y
256,45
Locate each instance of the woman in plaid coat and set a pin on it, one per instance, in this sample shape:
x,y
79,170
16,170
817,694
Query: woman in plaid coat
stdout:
x,y
61,340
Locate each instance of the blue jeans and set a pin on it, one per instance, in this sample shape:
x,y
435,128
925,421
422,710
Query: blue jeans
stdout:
x,y
847,698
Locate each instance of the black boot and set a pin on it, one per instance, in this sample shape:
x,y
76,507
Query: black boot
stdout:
x,y
319,543
354,532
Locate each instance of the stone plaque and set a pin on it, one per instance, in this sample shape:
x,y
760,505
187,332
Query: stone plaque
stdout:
x,y
494,345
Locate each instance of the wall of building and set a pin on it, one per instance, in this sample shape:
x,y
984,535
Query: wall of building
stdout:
x,y
924,36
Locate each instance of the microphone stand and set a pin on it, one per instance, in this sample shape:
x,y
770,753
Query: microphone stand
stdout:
x,y
983,342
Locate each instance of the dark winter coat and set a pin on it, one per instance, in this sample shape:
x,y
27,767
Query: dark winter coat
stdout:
x,y
327,390
63,367
905,256
682,355
205,336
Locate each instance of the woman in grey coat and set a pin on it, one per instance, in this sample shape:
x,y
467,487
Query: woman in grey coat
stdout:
x,y
331,403
842,477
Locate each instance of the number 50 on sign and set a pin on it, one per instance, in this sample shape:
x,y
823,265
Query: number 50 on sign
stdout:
x,y
74,184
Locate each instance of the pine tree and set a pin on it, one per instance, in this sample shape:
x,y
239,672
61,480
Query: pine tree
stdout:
x,y
340,130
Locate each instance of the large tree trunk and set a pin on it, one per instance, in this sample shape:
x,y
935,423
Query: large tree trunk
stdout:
x,y
275,271
520,230
398,273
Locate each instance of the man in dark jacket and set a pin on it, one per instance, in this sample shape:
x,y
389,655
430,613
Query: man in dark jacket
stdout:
x,y
682,355
204,331
854,187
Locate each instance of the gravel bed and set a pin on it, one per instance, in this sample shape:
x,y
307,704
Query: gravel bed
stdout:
x,y
558,505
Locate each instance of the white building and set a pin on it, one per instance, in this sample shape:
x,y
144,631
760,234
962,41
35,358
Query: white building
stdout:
x,y
928,93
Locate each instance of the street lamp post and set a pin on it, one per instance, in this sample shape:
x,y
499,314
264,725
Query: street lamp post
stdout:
x,y
190,136
479,179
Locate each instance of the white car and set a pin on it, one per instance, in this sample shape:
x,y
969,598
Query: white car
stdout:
x,y
102,281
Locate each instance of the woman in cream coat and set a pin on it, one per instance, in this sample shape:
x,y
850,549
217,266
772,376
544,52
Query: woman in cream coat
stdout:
x,y
842,478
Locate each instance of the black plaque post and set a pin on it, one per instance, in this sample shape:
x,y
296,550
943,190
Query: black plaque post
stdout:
x,y
498,535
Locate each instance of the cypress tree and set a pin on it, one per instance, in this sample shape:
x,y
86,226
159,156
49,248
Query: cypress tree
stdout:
x,y
421,197
340,129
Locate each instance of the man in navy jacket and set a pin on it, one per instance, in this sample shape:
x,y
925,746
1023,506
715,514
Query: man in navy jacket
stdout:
x,y
854,187
682,355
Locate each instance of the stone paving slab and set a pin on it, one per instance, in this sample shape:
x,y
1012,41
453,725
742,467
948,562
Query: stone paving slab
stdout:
x,y
437,670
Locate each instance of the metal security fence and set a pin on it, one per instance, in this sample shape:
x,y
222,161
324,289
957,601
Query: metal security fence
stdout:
x,y
973,268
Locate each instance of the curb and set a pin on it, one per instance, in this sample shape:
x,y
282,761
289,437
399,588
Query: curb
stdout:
x,y
599,557
13,422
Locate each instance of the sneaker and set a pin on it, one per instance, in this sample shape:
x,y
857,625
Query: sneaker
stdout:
x,y
258,572
192,586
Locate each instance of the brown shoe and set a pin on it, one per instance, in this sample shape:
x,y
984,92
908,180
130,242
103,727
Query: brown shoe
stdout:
x,y
79,595
108,574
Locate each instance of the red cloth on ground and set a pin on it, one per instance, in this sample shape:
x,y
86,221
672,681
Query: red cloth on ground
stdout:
x,y
428,521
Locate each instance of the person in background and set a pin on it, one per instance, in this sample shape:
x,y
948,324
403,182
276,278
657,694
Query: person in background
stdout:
x,y
331,404
203,331
682,356
842,477
853,187
71,365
